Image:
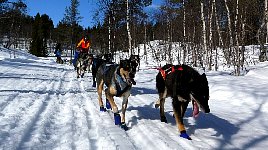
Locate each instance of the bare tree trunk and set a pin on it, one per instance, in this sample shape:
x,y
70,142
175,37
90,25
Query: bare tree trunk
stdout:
x,y
243,42
72,45
169,39
230,34
114,38
263,55
266,18
184,33
194,52
210,51
221,45
145,42
109,30
128,30
237,52
204,30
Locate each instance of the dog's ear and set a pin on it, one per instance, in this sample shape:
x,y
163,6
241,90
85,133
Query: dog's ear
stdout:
x,y
204,77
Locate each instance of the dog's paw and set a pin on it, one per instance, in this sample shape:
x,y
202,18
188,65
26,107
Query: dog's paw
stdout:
x,y
164,119
124,126
102,109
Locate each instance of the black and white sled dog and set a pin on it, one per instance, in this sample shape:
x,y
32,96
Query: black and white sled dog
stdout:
x,y
108,57
135,59
118,80
134,64
183,84
82,64
97,62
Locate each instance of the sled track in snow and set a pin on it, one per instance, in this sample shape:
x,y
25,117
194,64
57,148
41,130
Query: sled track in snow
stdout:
x,y
43,118
106,130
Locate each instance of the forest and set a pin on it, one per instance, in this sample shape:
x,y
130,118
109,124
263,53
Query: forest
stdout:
x,y
204,29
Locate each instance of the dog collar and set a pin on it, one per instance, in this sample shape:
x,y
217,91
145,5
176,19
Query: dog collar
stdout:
x,y
121,85
169,70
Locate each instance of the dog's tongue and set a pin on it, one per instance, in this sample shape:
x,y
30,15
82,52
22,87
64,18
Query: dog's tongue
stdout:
x,y
195,109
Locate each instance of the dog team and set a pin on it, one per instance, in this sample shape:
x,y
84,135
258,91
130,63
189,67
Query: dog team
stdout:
x,y
180,82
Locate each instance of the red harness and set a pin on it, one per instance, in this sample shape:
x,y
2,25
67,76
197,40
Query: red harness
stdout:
x,y
169,70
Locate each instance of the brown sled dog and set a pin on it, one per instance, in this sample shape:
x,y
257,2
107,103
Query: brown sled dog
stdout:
x,y
183,84
118,80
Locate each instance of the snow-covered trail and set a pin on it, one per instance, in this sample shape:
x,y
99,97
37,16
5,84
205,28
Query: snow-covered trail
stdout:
x,y
44,106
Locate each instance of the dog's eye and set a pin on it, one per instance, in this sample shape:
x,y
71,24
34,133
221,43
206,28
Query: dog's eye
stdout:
x,y
127,68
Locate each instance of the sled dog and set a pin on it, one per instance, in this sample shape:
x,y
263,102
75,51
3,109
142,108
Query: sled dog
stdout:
x,y
82,63
118,80
97,62
183,84
135,59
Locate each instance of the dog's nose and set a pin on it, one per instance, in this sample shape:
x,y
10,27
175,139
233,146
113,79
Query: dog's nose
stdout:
x,y
133,81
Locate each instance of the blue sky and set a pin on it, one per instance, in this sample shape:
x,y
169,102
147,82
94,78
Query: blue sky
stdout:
x,y
55,9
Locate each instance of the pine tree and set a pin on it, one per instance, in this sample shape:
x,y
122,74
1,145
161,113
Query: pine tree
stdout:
x,y
36,44
42,27
71,18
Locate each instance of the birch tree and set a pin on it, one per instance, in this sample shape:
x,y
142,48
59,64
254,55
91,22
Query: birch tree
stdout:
x,y
266,18
203,30
228,54
221,44
128,28
184,32
236,58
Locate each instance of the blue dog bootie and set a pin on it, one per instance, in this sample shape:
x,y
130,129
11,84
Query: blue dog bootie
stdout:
x,y
185,135
108,105
117,119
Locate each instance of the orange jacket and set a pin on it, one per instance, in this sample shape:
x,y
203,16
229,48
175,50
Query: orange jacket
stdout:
x,y
84,45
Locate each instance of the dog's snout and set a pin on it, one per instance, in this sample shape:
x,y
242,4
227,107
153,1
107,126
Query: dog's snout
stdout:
x,y
131,75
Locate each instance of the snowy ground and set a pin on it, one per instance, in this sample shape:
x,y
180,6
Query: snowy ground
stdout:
x,y
44,106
